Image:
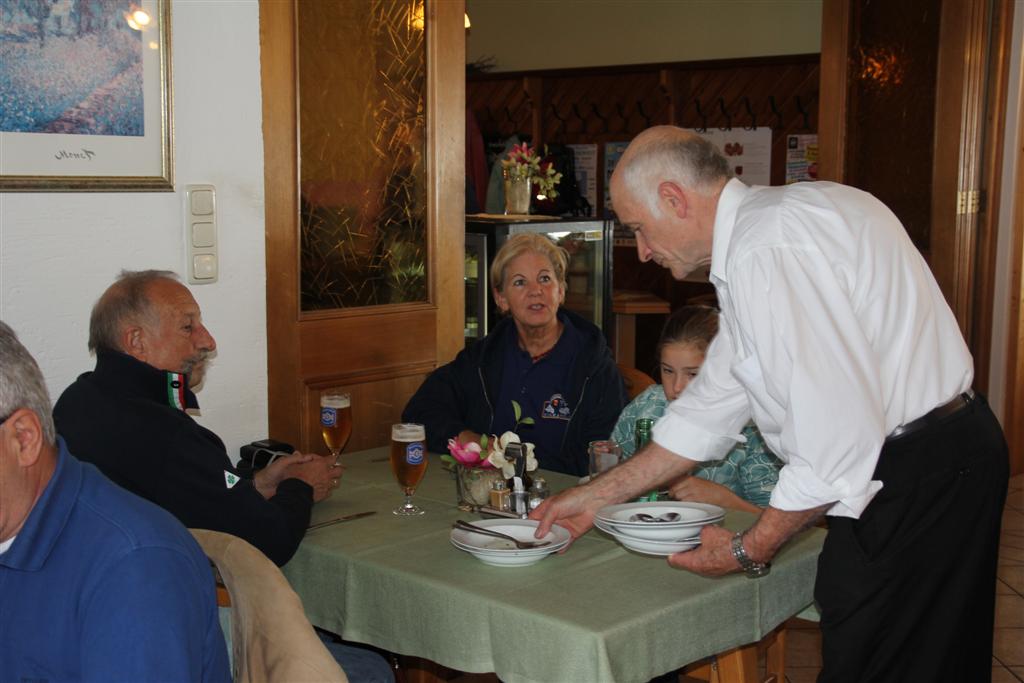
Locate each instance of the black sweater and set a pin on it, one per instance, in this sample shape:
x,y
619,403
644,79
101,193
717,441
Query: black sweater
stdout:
x,y
121,419
461,395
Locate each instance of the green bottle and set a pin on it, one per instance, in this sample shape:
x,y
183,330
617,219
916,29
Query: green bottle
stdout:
x,y
643,435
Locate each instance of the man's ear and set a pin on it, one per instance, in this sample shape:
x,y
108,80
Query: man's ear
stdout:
x,y
28,432
133,341
673,196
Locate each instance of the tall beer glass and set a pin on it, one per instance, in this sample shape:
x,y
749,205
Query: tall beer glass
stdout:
x,y
408,462
335,420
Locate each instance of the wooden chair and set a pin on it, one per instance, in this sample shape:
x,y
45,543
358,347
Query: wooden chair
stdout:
x,y
636,380
270,637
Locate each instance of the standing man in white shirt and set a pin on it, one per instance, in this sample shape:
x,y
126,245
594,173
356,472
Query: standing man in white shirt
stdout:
x,y
836,340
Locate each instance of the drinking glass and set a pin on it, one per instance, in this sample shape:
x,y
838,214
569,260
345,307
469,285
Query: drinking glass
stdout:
x,y
408,462
335,420
604,455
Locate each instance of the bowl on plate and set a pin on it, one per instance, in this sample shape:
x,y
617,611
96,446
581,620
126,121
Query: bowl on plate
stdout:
x,y
499,552
660,521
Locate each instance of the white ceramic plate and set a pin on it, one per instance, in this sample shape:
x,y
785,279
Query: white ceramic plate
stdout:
x,y
692,518
501,553
647,546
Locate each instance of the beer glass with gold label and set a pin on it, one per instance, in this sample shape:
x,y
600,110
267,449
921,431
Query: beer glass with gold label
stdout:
x,y
408,462
335,420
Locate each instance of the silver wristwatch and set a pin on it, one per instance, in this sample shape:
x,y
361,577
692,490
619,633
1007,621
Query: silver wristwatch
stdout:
x,y
753,570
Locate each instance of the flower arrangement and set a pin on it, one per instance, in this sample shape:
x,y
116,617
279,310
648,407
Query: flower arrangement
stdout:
x,y
524,162
472,455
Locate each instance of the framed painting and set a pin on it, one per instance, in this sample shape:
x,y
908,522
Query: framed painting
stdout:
x,y
85,96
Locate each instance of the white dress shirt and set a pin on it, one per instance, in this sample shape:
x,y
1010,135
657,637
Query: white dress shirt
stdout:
x,y
833,332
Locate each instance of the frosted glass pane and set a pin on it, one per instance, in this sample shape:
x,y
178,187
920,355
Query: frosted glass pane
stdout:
x,y
362,100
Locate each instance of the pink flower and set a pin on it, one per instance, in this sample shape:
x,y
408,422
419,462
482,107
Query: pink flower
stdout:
x,y
468,454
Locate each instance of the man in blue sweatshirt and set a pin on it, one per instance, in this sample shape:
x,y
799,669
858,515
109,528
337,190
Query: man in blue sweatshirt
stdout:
x,y
97,583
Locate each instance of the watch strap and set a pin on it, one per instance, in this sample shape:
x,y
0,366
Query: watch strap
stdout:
x,y
753,570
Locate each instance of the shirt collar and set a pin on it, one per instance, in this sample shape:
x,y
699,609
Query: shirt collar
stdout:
x,y
729,202
129,374
48,517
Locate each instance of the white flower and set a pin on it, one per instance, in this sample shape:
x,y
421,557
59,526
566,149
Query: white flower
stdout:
x,y
497,454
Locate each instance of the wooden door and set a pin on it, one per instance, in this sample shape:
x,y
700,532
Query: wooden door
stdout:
x,y
376,341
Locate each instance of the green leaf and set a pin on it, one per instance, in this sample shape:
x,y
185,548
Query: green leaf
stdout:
x,y
516,410
483,445
448,459
527,421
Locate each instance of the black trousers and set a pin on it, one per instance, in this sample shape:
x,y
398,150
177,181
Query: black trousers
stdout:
x,y
907,592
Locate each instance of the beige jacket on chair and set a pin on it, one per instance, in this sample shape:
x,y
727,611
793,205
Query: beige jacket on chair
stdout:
x,y
272,641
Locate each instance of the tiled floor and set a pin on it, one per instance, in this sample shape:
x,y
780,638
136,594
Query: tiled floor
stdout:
x,y
803,657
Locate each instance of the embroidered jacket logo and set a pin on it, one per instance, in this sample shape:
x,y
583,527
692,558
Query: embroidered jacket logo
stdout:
x,y
230,479
556,408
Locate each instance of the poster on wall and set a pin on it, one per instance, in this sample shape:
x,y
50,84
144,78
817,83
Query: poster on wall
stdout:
x,y
801,158
749,152
585,161
85,95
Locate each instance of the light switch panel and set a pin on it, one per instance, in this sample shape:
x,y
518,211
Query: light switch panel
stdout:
x,y
201,233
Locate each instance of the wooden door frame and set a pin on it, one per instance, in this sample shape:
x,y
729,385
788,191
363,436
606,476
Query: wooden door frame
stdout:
x,y
445,222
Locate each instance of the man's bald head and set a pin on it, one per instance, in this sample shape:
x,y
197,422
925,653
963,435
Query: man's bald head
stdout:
x,y
126,302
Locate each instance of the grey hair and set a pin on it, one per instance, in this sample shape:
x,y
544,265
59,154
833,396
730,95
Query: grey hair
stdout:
x,y
669,153
21,383
125,301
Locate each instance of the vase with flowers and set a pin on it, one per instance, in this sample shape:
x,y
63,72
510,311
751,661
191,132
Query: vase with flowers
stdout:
x,y
476,466
526,176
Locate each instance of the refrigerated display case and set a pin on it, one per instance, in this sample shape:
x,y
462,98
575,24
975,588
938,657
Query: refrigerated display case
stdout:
x,y
589,276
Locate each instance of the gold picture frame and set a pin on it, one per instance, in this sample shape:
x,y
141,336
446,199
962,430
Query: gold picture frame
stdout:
x,y
93,145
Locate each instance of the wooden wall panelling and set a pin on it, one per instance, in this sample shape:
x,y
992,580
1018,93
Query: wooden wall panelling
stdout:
x,y
613,104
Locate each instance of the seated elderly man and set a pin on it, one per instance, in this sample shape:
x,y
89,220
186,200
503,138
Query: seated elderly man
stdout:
x,y
128,417
97,583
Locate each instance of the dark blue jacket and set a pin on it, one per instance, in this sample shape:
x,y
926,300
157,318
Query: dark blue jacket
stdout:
x,y
461,395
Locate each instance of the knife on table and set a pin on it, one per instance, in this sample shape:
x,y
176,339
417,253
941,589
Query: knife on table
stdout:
x,y
338,520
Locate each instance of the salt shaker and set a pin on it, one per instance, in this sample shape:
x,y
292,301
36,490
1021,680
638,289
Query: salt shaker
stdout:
x,y
538,492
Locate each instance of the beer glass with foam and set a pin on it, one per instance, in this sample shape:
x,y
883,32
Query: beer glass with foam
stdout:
x,y
335,420
408,462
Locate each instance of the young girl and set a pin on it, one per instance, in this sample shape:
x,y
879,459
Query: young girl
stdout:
x,y
744,479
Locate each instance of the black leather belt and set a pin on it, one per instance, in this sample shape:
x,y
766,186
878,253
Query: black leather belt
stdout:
x,y
930,418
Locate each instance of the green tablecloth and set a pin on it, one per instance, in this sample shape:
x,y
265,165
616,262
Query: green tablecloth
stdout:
x,y
595,613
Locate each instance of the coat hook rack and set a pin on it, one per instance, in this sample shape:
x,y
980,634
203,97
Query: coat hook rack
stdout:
x,y
554,112
640,110
751,114
775,110
725,114
703,118
804,113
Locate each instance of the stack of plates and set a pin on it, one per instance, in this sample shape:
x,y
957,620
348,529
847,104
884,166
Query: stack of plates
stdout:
x,y
660,528
502,553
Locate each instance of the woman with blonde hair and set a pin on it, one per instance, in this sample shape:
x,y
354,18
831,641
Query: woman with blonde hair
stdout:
x,y
552,362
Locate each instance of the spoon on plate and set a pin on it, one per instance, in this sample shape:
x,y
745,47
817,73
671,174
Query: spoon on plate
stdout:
x,y
521,545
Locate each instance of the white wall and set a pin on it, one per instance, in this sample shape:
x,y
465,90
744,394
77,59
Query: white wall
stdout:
x,y
59,251
543,34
